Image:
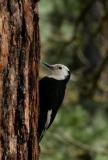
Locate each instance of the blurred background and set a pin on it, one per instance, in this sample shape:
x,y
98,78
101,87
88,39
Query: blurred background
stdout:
x,y
75,33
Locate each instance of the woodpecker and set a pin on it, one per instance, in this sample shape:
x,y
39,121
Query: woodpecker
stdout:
x,y
51,94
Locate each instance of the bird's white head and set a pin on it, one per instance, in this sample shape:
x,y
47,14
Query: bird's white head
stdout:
x,y
58,71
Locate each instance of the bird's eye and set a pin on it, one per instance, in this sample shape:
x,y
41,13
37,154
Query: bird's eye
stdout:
x,y
60,67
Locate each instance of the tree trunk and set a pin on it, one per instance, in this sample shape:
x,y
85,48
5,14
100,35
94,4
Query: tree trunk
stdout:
x,y
19,59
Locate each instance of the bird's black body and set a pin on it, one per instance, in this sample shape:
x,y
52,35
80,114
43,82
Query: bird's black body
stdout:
x,y
51,93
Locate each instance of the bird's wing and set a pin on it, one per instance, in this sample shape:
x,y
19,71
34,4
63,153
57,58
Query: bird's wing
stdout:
x,y
50,100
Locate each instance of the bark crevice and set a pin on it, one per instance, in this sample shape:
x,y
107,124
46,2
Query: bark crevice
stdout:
x,y
19,61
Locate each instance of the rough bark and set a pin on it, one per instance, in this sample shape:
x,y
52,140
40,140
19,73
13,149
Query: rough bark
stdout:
x,y
19,59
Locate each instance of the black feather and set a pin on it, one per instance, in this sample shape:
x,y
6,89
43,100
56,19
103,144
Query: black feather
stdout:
x,y
51,93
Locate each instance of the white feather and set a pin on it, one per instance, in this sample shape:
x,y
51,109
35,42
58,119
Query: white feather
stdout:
x,y
48,119
59,74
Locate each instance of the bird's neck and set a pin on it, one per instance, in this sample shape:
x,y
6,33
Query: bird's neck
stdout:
x,y
59,78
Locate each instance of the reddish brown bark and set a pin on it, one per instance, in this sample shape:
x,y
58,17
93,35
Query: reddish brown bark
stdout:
x,y
19,59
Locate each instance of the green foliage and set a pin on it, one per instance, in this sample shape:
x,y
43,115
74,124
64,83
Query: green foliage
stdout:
x,y
73,132
75,33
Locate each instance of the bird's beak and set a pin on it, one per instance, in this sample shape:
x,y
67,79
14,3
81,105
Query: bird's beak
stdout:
x,y
48,65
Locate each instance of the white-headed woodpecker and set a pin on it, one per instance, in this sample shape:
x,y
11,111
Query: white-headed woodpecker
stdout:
x,y
51,94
